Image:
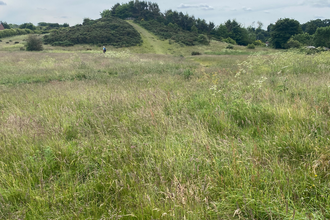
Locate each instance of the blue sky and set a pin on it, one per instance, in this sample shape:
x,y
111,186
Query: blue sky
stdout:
x,y
245,12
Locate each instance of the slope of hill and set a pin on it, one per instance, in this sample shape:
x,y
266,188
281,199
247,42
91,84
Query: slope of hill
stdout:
x,y
111,31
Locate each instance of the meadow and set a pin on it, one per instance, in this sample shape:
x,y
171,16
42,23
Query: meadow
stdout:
x,y
130,135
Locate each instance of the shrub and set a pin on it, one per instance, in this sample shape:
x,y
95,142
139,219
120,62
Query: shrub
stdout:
x,y
229,46
33,43
202,39
251,46
194,53
63,43
229,41
258,43
293,43
304,39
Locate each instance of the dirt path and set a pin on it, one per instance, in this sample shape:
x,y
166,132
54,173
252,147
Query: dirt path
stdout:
x,y
149,39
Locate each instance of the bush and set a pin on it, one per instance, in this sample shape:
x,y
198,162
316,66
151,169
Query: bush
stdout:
x,y
258,43
194,53
304,39
63,43
33,43
14,32
202,39
229,46
229,41
293,43
251,46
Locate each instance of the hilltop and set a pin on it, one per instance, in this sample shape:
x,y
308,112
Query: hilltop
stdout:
x,y
111,31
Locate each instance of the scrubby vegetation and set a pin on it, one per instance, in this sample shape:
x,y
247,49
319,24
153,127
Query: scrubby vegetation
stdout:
x,y
34,43
251,46
175,33
109,31
14,32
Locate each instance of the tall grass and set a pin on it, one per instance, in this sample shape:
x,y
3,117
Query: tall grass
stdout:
x,y
86,136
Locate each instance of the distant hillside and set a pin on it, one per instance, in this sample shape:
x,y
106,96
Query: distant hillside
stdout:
x,y
173,25
174,32
110,31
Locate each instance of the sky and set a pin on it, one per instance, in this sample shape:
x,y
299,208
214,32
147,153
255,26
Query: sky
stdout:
x,y
245,12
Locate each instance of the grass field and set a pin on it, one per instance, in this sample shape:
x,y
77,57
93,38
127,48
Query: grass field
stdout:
x,y
130,135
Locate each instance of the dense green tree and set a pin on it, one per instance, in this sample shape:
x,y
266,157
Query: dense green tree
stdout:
x,y
304,38
282,31
322,37
270,28
194,29
293,43
311,26
107,13
87,21
27,26
237,32
220,32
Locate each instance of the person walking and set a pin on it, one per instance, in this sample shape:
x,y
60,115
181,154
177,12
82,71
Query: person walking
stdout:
x,y
104,49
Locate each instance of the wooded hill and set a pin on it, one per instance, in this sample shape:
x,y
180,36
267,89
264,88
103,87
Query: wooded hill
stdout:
x,y
110,31
182,27
285,33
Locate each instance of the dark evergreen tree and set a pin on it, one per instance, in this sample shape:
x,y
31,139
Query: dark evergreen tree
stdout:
x,y
322,37
282,31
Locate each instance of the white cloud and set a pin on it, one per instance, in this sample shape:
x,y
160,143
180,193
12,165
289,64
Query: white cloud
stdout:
x,y
321,3
200,6
246,8
266,11
317,3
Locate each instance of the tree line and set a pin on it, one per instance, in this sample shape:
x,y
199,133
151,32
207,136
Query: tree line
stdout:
x,y
188,30
41,27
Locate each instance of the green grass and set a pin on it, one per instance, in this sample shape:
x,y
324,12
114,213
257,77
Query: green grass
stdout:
x,y
144,136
